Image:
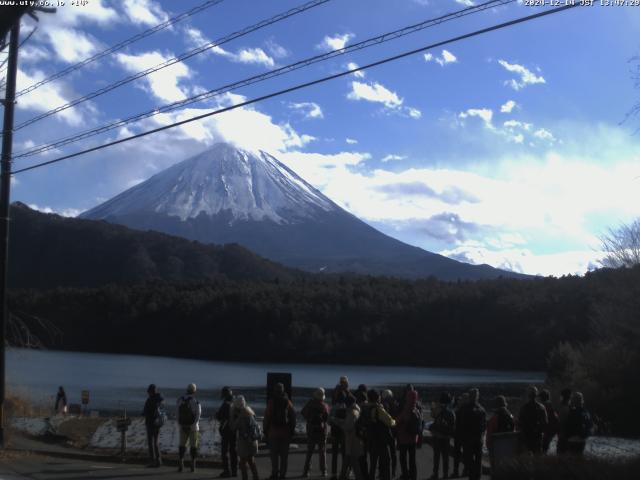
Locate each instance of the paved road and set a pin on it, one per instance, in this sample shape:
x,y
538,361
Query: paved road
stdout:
x,y
24,465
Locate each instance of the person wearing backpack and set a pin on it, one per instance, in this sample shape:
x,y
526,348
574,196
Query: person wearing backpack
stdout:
x,y
553,420
153,420
563,413
409,428
379,436
391,407
532,422
341,388
338,412
189,412
579,425
227,436
442,429
246,430
501,421
279,427
316,413
473,419
353,447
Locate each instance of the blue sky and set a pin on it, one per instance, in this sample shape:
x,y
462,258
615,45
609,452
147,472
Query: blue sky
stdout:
x,y
510,149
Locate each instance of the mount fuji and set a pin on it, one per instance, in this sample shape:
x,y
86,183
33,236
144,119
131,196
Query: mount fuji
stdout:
x,y
229,195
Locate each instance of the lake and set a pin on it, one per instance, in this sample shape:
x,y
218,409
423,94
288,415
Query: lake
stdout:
x,y
116,381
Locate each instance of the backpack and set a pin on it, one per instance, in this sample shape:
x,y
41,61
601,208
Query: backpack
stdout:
x,y
185,413
317,420
252,431
477,419
415,424
280,416
364,423
160,418
445,423
506,422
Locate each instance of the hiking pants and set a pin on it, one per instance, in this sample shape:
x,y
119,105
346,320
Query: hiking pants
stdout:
x,y
350,462
409,470
152,439
337,448
279,451
473,457
312,443
458,455
228,451
441,447
380,455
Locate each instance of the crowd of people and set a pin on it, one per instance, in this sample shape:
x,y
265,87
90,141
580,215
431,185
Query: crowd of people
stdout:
x,y
374,434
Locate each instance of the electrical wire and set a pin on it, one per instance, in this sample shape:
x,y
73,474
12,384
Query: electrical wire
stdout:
x,y
121,45
182,57
305,85
263,77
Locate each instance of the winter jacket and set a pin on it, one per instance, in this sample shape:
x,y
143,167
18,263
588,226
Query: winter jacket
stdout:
x,y
553,422
150,410
579,425
500,422
444,422
239,421
195,408
352,443
271,429
473,421
223,417
316,413
405,417
532,420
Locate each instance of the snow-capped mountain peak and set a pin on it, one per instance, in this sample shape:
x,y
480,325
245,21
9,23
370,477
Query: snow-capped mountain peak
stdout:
x,y
223,179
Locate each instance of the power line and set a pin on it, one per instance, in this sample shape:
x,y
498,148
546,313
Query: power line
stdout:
x,y
121,45
264,76
174,60
305,85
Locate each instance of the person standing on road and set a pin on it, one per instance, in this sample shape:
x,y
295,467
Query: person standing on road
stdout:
x,y
316,413
227,436
409,428
61,401
553,422
279,427
473,420
153,421
391,406
353,447
246,431
341,388
579,426
458,439
501,421
338,412
443,428
563,413
532,422
189,412
379,436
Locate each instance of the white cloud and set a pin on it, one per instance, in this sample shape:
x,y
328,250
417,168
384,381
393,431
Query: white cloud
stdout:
x,y
308,109
336,42
163,84
145,12
254,55
527,77
485,114
64,212
48,97
93,12
466,3
71,45
359,73
374,92
393,157
544,134
351,141
245,55
414,112
33,54
444,59
508,107
275,49
513,124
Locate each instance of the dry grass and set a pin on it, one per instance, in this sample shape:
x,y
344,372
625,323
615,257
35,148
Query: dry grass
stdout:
x,y
568,468
80,430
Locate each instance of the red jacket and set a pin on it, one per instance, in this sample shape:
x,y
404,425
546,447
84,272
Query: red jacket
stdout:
x,y
272,430
404,437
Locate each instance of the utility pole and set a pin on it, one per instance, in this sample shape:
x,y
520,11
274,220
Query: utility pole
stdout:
x,y
5,197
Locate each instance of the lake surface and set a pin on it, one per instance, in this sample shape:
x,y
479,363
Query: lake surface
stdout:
x,y
117,381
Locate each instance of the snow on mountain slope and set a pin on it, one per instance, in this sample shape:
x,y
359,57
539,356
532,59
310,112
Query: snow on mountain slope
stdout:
x,y
249,186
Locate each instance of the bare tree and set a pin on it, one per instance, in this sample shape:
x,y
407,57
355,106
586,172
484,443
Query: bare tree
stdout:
x,y
621,245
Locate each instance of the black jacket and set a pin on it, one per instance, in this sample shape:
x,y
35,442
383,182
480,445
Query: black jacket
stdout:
x,y
150,411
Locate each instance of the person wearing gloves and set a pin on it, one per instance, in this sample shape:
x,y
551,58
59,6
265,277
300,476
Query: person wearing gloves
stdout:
x,y
189,412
